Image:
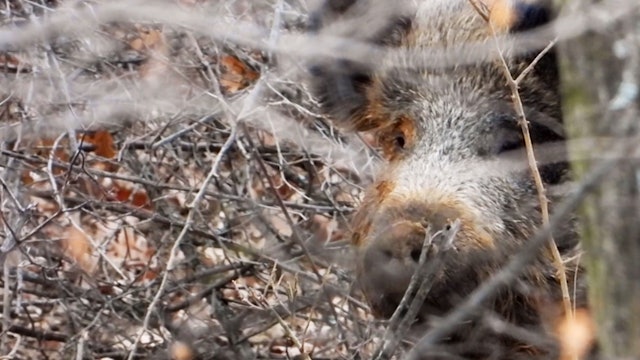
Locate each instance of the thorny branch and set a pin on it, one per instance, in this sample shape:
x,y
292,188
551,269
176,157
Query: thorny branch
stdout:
x,y
533,166
434,248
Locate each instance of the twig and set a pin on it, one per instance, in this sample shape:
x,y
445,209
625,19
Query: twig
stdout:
x,y
37,334
531,157
417,291
80,346
535,172
296,235
173,254
12,354
500,325
155,184
208,290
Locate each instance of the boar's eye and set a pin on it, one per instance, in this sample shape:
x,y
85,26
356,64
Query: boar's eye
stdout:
x,y
400,141
507,135
397,138
508,141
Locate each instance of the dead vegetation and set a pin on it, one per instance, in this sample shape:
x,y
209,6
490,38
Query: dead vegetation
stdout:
x,y
167,193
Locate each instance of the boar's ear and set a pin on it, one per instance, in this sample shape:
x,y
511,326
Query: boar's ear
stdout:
x,y
344,87
517,16
545,124
531,15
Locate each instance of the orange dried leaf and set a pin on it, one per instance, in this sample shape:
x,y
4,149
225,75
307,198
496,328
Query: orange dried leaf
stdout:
x,y
78,248
148,39
152,39
148,276
236,75
44,146
181,351
106,289
282,188
122,194
153,43
102,141
125,193
26,178
140,199
137,44
11,63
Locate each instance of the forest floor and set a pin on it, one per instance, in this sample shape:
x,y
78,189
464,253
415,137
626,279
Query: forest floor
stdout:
x,y
168,189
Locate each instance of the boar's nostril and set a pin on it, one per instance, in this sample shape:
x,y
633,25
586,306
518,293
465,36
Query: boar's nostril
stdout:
x,y
415,254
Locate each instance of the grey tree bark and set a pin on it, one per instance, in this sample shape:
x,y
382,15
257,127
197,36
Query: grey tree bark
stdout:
x,y
601,98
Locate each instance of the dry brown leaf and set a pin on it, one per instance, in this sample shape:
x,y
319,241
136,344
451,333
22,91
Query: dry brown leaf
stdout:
x,y
131,248
235,74
102,141
282,187
99,142
325,229
281,224
78,247
44,148
11,63
26,178
148,39
267,139
181,351
126,193
152,43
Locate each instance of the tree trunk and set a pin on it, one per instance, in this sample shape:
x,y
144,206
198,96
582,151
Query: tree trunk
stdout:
x,y
601,98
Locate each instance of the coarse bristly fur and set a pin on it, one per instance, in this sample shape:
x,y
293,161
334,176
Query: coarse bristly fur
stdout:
x,y
452,138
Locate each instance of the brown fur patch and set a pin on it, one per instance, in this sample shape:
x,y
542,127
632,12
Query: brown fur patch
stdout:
x,y
359,233
478,236
378,199
374,196
362,222
373,115
383,189
467,217
474,235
